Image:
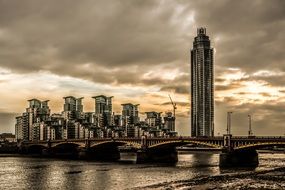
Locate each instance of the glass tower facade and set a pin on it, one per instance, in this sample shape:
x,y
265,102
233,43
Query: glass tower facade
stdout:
x,y
202,86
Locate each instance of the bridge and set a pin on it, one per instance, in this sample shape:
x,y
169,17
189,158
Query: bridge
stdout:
x,y
236,150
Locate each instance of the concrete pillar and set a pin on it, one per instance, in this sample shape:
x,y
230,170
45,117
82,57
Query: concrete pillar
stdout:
x,y
239,158
46,152
82,153
22,150
142,157
107,154
157,156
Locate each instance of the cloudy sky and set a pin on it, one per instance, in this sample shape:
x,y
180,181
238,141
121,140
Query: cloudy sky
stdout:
x,y
139,52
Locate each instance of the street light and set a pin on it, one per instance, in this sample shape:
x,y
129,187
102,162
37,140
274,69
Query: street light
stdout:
x,y
249,126
229,120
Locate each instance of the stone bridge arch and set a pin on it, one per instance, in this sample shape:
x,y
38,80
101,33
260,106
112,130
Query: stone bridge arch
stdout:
x,y
36,145
115,143
108,150
34,148
176,143
65,143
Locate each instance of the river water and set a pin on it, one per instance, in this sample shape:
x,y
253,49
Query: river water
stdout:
x,y
41,173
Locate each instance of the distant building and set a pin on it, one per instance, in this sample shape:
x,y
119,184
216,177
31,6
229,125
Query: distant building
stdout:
x,y
19,129
103,110
72,130
117,120
169,122
37,124
51,133
202,86
72,108
130,114
38,111
7,137
132,131
36,131
153,119
89,117
55,125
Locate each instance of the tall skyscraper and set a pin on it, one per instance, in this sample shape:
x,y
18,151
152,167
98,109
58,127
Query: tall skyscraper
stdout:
x,y
202,86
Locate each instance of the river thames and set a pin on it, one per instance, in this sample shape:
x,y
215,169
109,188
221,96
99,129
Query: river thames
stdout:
x,y
197,170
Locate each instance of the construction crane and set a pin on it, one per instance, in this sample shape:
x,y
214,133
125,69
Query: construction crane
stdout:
x,y
173,104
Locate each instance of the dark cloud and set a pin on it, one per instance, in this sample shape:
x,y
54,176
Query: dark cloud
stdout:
x,y
250,32
231,86
116,33
45,35
182,104
179,89
228,101
265,94
220,80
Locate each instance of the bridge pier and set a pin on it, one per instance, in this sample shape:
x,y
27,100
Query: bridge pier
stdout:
x,y
239,158
82,153
110,154
46,152
22,150
36,151
157,156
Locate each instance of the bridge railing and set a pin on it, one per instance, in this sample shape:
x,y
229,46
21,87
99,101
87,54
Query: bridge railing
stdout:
x,y
164,138
258,137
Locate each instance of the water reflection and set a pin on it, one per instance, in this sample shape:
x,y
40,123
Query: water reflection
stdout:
x,y
72,175
199,163
36,173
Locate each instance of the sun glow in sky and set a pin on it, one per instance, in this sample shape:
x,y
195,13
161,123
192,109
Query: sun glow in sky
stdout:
x,y
245,89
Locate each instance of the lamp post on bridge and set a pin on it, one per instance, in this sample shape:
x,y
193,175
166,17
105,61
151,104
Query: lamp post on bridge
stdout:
x,y
227,137
249,126
229,121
